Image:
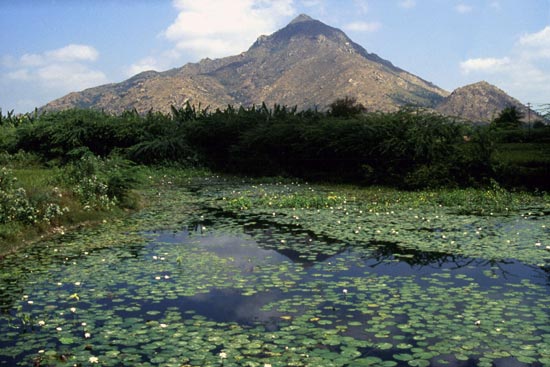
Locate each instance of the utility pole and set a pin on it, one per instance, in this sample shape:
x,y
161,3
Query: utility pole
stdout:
x,y
529,116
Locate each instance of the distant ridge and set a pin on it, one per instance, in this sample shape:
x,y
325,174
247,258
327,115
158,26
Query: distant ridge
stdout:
x,y
307,64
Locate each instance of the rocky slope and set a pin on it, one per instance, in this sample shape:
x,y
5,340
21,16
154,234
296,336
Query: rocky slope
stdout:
x,y
307,64
479,102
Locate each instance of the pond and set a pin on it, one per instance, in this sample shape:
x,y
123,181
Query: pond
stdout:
x,y
190,282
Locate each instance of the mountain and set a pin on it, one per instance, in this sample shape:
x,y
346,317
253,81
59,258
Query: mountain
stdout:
x,y
479,102
307,64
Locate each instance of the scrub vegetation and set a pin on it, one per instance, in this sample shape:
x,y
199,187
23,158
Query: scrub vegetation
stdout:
x,y
62,168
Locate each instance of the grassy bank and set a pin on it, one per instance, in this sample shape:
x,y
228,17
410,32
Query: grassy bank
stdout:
x,y
37,201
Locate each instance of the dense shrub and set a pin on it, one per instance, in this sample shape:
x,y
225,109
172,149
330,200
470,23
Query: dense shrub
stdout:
x,y
410,148
101,183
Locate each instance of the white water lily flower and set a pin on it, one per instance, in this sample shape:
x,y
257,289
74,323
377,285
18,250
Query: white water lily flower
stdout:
x,y
87,335
223,355
41,323
163,325
73,309
93,359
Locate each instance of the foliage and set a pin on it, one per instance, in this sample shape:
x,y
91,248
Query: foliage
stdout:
x,y
17,204
101,183
509,116
346,107
409,148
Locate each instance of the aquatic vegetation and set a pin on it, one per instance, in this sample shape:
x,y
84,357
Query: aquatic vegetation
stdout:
x,y
300,276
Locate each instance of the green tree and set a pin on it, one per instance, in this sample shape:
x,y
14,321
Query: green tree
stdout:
x,y
509,117
346,107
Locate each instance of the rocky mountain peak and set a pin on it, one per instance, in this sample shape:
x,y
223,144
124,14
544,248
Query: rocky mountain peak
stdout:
x,y
302,27
307,64
301,18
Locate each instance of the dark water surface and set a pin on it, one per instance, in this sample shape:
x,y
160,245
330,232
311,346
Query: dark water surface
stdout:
x,y
261,294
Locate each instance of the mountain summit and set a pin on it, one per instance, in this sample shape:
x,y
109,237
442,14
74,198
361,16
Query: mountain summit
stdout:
x,y
307,64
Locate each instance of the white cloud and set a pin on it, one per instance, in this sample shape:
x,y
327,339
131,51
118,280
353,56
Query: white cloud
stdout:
x,y
463,8
20,74
61,70
145,64
536,45
68,53
70,76
488,64
73,53
312,3
362,6
407,4
216,28
525,72
363,26
317,7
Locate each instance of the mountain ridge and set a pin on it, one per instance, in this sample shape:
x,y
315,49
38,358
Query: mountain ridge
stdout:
x,y
307,64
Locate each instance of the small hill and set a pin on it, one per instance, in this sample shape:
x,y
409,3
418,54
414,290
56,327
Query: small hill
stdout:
x,y
478,102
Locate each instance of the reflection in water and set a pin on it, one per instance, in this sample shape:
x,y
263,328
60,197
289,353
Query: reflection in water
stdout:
x,y
279,274
261,246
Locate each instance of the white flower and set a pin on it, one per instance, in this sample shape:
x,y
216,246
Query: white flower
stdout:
x,y
477,323
58,328
41,323
267,365
163,325
87,335
345,291
30,302
93,359
83,324
77,284
73,309
41,351
223,355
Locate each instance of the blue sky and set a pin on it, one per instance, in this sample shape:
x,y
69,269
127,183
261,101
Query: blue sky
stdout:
x,y
53,47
